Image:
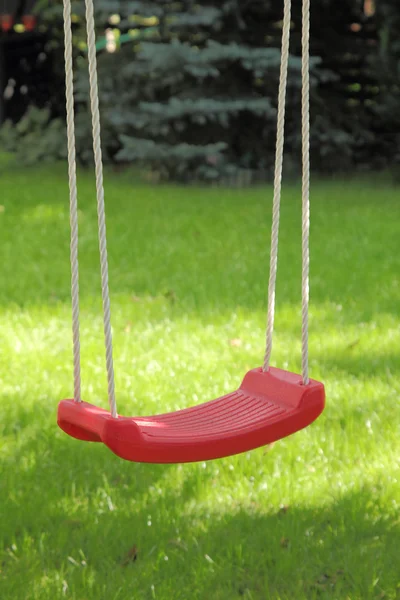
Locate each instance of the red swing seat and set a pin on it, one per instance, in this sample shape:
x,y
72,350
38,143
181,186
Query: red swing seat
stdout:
x,y
267,406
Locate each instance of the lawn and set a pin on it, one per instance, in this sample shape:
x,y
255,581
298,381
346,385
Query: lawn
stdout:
x,y
314,516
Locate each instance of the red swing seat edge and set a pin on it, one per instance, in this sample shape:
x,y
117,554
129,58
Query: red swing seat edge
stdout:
x,y
297,406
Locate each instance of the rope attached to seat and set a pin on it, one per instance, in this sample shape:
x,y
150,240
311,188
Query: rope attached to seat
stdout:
x,y
305,182
73,196
280,139
94,104
305,235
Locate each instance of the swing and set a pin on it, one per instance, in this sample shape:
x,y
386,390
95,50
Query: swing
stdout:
x,y
271,403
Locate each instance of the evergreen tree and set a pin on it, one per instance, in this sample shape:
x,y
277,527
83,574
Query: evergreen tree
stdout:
x,y
199,98
386,66
189,88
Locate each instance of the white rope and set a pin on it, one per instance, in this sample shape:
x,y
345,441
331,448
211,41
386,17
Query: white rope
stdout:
x,y
280,135
73,195
305,118
94,103
100,191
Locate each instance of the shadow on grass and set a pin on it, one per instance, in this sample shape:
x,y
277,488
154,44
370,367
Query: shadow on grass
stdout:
x,y
367,365
81,508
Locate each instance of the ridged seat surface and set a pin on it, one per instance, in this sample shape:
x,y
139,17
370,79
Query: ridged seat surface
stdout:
x,y
234,412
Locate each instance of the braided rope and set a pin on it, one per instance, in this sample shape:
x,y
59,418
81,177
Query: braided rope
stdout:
x,y
94,104
73,194
280,138
305,118
94,101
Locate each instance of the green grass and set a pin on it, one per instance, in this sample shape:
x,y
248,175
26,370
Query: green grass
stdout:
x,y
314,516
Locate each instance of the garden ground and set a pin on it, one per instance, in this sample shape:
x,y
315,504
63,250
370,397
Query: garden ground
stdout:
x,y
314,516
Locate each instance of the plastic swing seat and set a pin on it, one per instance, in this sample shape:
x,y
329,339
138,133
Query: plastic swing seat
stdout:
x,y
267,406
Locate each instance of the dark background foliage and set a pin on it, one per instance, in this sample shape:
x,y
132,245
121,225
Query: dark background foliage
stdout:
x,y
189,88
